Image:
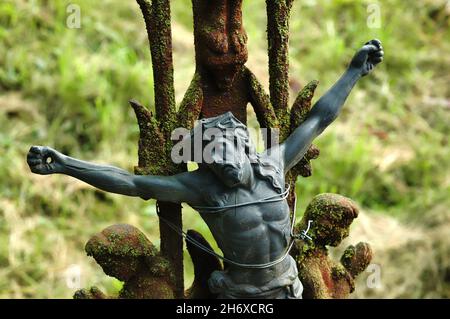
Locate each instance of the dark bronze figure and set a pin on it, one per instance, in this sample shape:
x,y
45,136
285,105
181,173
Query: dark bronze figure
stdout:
x,y
240,195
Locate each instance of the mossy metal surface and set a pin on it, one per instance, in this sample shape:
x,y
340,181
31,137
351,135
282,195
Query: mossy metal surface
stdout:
x,y
331,216
222,83
124,252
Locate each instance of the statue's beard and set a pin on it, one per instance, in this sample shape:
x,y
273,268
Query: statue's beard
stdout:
x,y
230,174
233,176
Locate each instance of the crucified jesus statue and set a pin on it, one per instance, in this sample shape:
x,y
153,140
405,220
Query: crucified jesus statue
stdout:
x,y
240,194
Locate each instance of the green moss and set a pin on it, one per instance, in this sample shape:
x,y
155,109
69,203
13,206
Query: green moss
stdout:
x,y
332,205
191,105
156,282
338,272
349,253
278,38
162,266
264,109
302,104
114,237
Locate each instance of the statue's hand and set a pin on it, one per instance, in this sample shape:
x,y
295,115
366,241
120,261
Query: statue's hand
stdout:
x,y
356,258
44,160
368,57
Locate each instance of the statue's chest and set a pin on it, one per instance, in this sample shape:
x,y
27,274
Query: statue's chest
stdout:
x,y
246,210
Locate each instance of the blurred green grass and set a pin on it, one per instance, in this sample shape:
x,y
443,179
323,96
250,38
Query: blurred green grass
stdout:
x,y
68,88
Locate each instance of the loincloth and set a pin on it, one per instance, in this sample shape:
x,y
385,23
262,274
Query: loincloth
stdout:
x,y
284,286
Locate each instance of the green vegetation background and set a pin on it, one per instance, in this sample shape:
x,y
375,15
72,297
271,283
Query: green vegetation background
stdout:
x,y
68,88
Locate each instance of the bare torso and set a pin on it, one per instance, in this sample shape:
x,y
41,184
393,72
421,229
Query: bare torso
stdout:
x,y
253,234
256,233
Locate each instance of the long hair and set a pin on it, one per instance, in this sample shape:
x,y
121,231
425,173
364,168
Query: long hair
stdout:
x,y
263,167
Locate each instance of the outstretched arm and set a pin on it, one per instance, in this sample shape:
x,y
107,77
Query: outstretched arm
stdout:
x,y
327,108
44,160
